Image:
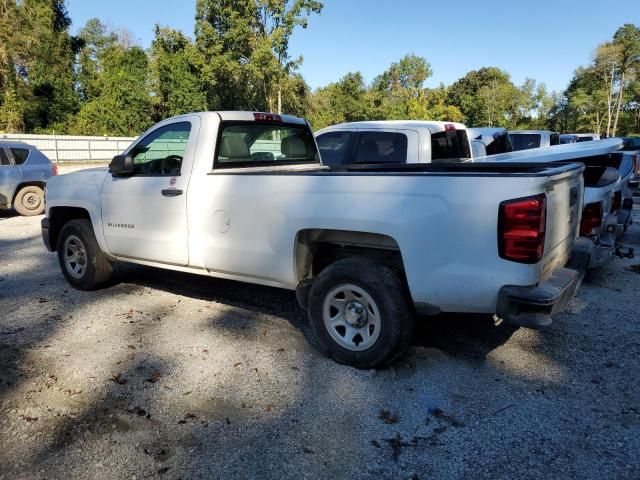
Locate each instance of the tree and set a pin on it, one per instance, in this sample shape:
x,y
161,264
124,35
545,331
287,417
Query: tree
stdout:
x,y
123,106
431,104
626,41
346,100
95,39
246,44
486,97
176,70
36,64
399,85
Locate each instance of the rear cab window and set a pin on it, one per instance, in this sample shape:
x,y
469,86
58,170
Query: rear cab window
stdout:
x,y
449,146
259,144
334,147
381,147
20,155
525,141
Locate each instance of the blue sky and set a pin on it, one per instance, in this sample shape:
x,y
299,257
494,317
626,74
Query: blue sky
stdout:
x,y
544,40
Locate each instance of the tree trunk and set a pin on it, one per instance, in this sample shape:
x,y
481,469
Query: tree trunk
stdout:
x,y
620,93
609,98
279,100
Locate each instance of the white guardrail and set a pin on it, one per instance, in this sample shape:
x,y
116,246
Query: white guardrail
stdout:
x,y
69,148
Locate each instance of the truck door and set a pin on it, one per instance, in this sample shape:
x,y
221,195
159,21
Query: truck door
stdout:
x,y
144,216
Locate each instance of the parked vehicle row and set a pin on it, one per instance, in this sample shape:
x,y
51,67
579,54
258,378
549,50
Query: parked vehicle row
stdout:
x,y
367,245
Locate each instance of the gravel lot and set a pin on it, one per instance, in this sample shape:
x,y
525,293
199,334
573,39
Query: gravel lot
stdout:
x,y
167,375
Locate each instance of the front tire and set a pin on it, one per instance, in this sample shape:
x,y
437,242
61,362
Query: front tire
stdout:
x,y
82,262
360,314
29,201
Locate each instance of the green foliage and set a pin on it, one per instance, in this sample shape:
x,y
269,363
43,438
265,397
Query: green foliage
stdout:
x,y
603,97
37,64
123,106
246,44
346,100
176,68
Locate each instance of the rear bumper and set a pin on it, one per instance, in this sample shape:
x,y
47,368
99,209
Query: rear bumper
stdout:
x,y
533,307
46,237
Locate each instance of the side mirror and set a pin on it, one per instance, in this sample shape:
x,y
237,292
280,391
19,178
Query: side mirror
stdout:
x,y
121,165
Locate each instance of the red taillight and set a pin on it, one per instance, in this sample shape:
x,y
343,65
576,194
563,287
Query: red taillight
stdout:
x,y
266,117
617,201
449,127
591,219
55,169
636,160
521,229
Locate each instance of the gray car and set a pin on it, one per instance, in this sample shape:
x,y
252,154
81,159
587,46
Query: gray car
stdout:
x,y
24,171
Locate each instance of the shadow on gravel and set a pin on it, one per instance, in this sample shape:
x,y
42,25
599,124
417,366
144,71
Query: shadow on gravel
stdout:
x,y
461,335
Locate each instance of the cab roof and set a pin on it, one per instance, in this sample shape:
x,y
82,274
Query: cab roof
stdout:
x,y
433,126
243,116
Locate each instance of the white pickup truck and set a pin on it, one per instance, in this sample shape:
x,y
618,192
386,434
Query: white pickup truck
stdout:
x,y
393,141
244,196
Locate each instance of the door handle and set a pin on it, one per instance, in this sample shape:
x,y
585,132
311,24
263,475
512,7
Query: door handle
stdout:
x,y
171,192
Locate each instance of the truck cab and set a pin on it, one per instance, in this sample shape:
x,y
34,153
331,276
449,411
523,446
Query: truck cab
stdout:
x,y
393,142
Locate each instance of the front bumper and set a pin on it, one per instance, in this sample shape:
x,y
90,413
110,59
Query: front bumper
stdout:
x,y
533,307
46,237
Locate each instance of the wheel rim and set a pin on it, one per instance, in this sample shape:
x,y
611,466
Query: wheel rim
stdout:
x,y
351,317
75,256
31,201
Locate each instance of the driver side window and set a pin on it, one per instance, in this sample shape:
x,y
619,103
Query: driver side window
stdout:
x,y
161,152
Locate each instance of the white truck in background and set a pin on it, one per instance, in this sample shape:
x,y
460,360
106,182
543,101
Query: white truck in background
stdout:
x,y
244,196
393,141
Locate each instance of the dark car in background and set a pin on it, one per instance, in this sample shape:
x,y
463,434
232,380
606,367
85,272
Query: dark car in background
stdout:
x,y
24,171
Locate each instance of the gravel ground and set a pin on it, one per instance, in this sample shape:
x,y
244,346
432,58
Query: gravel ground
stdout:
x,y
166,375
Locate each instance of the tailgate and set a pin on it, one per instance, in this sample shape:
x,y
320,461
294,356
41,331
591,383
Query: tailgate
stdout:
x,y
564,207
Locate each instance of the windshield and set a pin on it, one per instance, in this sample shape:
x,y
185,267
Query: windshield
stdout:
x,y
585,139
250,144
450,145
525,141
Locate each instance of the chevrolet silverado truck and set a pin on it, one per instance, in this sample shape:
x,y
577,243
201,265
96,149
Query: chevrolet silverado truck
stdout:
x,y
244,196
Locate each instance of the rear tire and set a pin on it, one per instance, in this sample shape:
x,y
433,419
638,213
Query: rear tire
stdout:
x,y
360,313
29,201
82,262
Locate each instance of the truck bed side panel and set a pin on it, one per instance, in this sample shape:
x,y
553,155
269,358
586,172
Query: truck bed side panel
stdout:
x,y
445,228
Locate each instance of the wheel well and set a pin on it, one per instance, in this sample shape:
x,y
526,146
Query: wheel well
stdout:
x,y
58,216
316,249
27,184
